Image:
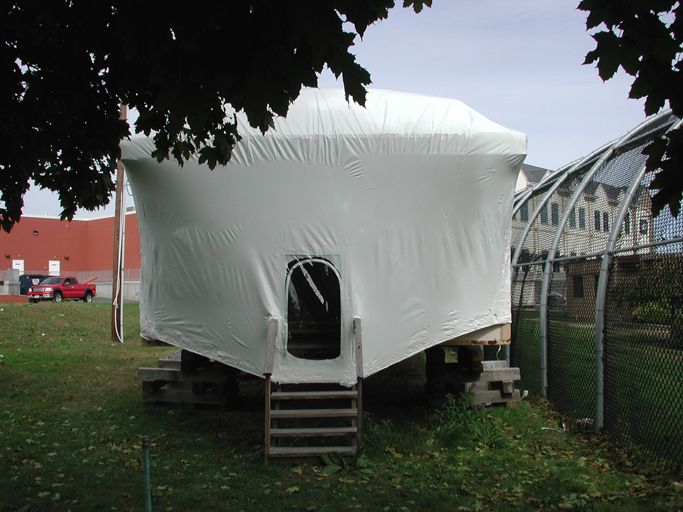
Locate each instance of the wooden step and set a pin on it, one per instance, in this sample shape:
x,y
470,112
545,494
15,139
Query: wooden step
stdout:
x,y
312,395
309,451
173,375
313,413
169,363
313,432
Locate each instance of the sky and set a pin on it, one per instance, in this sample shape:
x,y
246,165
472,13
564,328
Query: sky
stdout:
x,y
518,62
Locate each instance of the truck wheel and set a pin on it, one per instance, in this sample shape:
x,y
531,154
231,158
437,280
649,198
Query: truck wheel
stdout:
x,y
57,297
88,296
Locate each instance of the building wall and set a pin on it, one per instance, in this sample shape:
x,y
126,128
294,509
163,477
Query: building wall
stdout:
x,y
79,245
576,240
100,243
38,240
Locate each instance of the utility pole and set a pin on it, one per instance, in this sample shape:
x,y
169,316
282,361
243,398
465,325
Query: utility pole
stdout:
x,y
117,276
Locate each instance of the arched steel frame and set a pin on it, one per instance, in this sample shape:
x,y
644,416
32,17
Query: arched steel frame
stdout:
x,y
595,160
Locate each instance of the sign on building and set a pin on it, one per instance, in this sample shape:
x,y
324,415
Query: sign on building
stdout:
x,y
53,268
18,265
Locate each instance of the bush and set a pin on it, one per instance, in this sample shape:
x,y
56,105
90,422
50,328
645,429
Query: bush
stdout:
x,y
455,417
655,312
457,420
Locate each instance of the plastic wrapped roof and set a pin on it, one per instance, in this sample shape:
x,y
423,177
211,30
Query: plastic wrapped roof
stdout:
x,y
407,202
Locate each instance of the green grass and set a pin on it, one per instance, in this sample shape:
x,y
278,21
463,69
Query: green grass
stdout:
x,y
643,387
71,418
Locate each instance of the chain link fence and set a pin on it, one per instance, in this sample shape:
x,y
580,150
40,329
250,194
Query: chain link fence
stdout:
x,y
597,296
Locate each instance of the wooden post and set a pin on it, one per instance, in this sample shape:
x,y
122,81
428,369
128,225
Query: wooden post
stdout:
x,y
271,337
116,295
266,415
358,338
270,346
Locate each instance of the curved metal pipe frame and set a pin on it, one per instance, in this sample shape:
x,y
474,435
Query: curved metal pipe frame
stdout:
x,y
601,295
547,271
520,241
561,179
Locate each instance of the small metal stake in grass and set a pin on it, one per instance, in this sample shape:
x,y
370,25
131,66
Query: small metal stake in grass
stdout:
x,y
145,469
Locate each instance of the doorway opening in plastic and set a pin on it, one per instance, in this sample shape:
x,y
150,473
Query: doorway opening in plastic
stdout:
x,y
313,309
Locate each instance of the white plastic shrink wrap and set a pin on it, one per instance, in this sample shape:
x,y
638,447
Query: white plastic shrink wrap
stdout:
x,y
408,201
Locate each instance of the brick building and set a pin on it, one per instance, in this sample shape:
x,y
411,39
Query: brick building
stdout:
x,y
82,247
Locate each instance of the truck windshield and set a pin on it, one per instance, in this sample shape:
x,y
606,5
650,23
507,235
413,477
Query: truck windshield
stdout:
x,y
51,280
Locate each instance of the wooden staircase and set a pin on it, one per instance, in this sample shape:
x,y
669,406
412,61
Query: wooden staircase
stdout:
x,y
212,384
309,420
305,421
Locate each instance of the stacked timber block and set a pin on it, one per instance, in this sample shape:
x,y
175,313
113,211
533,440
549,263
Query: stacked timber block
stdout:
x,y
184,377
306,421
488,382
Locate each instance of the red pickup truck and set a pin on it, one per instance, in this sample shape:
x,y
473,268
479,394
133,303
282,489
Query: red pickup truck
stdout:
x,y
60,288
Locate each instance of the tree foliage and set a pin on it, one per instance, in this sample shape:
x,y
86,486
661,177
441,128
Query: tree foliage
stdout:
x,y
66,65
650,290
645,39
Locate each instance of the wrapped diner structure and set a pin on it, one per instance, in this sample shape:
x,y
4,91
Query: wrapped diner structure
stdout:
x,y
396,215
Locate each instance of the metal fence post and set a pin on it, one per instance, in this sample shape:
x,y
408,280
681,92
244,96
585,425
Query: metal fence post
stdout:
x,y
145,475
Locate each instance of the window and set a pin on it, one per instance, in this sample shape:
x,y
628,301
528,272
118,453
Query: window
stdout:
x,y
596,219
313,309
577,285
524,256
627,224
582,218
605,221
572,218
557,266
544,214
524,211
643,226
555,214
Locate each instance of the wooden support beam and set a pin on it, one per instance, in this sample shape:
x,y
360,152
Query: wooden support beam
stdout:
x,y
358,338
271,336
116,295
358,346
266,443
359,416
